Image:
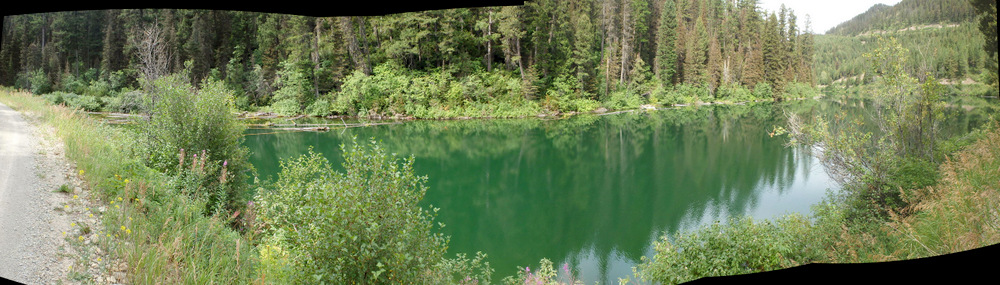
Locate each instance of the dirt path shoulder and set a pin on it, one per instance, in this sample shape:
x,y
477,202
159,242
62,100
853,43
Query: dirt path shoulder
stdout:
x,y
48,221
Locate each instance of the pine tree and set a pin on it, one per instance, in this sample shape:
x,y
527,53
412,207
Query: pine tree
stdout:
x,y
666,53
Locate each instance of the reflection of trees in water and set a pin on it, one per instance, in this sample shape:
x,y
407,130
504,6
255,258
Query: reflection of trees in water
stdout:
x,y
521,190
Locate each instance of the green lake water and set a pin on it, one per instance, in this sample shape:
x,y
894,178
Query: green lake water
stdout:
x,y
591,191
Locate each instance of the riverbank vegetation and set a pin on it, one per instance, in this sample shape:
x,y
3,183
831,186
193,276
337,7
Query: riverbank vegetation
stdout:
x,y
898,180
513,61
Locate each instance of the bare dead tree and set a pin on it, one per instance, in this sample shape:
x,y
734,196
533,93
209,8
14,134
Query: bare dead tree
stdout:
x,y
151,49
154,60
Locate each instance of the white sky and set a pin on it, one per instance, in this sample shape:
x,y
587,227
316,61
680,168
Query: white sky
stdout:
x,y
823,14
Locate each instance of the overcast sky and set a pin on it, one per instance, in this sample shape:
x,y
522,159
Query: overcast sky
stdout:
x,y
823,14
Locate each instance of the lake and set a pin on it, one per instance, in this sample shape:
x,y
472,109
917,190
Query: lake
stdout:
x,y
594,191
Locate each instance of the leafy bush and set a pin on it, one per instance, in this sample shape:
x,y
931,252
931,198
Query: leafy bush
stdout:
x,y
184,119
763,91
126,102
35,81
800,90
687,93
734,93
72,84
740,247
361,225
624,99
286,107
99,88
83,102
319,108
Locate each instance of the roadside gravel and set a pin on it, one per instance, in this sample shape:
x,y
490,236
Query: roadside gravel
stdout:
x,y
47,236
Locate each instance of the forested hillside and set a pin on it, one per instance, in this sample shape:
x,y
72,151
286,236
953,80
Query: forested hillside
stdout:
x,y
943,39
905,14
544,55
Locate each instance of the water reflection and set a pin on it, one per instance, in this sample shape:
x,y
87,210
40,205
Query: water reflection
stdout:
x,y
590,191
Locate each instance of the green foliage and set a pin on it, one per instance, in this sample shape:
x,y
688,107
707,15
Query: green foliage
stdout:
x,y
185,121
800,90
360,225
126,102
286,107
462,62
624,98
734,93
293,83
742,246
763,91
689,94
83,102
161,234
319,108
36,81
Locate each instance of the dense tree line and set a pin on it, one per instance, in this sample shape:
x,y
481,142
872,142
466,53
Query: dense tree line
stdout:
x,y
542,51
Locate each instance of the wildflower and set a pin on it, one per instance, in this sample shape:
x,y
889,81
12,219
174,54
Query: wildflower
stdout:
x,y
81,172
119,198
128,231
72,224
123,228
74,196
91,215
81,238
126,181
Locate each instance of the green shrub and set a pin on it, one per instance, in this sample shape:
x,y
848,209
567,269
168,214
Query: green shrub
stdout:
x,y
624,99
99,88
36,81
286,107
742,246
83,102
319,108
361,225
763,91
687,93
185,122
800,90
734,93
72,84
125,102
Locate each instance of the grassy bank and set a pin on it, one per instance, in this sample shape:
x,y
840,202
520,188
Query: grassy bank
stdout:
x,y
956,213
160,233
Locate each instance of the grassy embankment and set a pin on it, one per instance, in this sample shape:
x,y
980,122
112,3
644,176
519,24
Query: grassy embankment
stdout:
x,y
160,233
956,213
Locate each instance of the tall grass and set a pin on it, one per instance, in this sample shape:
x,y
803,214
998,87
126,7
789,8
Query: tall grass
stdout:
x,y
160,233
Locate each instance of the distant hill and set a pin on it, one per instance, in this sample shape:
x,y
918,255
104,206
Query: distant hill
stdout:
x,y
905,14
942,37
